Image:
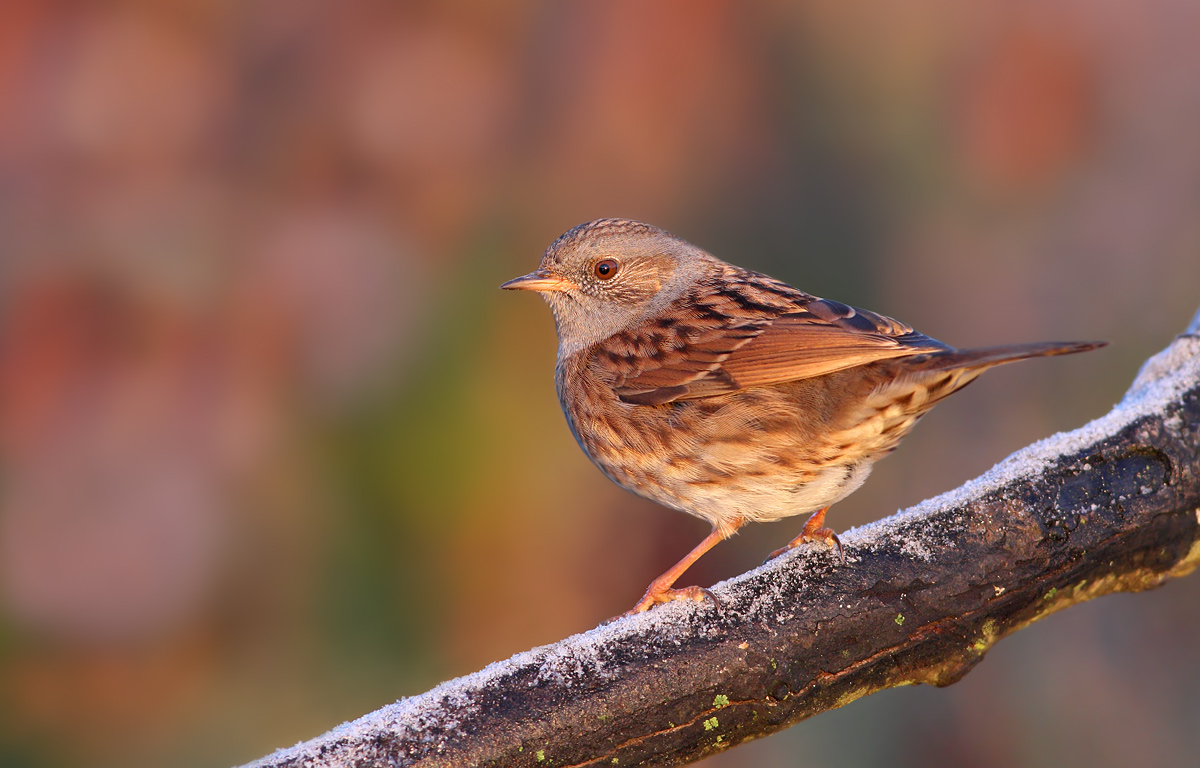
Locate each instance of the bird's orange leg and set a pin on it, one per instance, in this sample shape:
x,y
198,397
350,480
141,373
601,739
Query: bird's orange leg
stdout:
x,y
660,590
814,530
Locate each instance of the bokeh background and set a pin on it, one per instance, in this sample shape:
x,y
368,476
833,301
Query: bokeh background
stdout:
x,y
274,451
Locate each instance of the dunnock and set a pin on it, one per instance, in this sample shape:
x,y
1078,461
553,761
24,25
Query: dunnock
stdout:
x,y
727,394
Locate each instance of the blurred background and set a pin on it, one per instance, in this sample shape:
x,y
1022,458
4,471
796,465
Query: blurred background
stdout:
x,y
274,451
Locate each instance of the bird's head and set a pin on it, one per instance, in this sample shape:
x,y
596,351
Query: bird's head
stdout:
x,y
603,276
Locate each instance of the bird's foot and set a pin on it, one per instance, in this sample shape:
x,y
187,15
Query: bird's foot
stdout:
x,y
825,535
814,530
655,596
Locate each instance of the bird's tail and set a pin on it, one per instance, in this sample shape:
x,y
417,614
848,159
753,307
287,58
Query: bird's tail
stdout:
x,y
986,357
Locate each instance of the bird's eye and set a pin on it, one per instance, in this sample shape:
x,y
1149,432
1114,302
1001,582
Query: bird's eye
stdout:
x,y
606,268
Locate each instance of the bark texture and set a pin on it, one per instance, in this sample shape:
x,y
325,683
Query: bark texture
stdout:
x,y
1112,506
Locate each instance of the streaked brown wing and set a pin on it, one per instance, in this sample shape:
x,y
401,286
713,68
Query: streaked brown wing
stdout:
x,y
750,332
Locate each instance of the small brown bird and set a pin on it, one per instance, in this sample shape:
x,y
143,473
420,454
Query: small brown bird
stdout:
x,y
728,394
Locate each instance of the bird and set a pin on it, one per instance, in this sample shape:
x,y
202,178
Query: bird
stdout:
x,y
727,394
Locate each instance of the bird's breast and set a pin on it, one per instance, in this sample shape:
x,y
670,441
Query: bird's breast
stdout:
x,y
757,453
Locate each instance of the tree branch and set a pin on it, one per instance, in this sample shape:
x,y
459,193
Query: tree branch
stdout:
x,y
1112,506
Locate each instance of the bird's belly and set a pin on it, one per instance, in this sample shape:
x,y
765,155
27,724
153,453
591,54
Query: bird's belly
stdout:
x,y
758,454
773,496
720,467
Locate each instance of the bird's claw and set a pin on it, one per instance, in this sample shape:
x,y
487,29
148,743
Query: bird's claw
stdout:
x,y
825,535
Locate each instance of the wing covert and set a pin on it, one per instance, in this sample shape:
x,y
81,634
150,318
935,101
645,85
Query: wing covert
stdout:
x,y
746,331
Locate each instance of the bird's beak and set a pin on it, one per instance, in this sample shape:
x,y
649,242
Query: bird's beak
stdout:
x,y
539,281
